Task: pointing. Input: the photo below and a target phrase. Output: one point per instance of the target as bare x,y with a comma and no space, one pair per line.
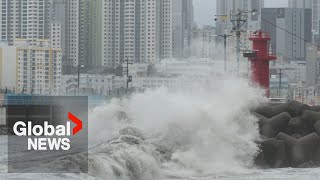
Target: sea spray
197,131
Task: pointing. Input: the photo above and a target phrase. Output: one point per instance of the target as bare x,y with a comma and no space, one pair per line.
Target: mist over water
197,132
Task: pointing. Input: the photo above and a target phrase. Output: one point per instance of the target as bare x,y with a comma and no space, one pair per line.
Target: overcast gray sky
205,9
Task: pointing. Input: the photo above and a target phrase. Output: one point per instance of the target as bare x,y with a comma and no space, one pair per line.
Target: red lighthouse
260,59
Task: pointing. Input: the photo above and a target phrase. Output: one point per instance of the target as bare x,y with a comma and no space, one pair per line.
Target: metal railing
259,34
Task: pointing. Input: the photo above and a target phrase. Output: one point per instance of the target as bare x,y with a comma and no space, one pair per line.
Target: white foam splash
186,133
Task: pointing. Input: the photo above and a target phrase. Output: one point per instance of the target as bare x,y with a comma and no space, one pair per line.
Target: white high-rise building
4,20
129,30
149,39
38,67
81,29
24,19
138,30
73,15
58,18
55,36
166,29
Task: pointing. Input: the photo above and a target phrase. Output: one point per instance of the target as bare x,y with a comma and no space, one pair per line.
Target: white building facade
73,26
92,84
129,31
38,67
24,19
56,39
138,30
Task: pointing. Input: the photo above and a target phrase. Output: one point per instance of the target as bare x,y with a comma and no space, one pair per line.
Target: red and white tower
260,62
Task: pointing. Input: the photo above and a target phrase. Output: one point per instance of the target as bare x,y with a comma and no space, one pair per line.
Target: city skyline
72,46
159,89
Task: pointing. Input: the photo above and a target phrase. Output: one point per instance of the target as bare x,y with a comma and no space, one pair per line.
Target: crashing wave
208,131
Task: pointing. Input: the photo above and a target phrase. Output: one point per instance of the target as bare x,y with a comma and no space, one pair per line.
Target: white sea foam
196,133
208,131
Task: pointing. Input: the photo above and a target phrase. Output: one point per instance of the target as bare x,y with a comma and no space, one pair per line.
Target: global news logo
48,137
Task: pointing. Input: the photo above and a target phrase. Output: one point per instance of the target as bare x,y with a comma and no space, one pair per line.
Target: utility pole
280,78
238,18
78,76
129,78
225,52
203,42
225,37
281,73
79,69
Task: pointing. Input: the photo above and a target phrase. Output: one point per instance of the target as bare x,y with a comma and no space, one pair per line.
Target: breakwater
289,135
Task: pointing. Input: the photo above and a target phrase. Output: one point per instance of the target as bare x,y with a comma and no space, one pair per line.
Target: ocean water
202,133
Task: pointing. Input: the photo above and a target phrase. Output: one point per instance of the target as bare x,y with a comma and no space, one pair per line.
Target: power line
286,32
290,33
244,46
